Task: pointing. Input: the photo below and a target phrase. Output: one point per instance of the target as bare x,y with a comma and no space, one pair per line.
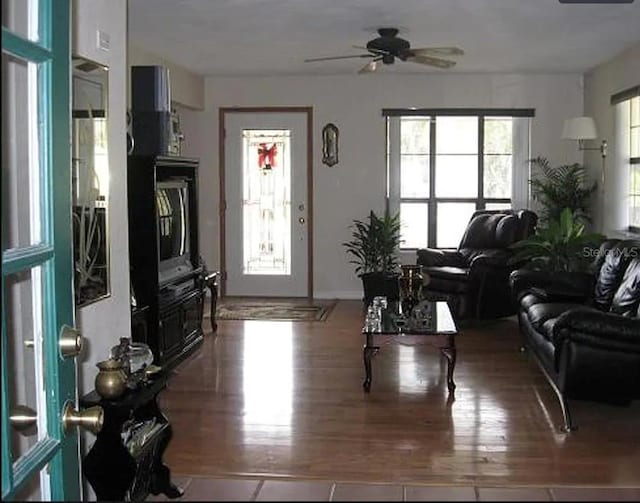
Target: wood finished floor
283,400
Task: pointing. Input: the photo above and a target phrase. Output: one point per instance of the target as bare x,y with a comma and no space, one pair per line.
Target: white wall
611,77
187,88
105,321
354,103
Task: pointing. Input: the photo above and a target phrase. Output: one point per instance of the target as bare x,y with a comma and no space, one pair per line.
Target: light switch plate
103,40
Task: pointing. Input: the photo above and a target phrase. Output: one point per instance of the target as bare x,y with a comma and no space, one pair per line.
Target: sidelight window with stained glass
266,213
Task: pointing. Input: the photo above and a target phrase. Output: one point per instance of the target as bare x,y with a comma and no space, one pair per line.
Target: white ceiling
273,37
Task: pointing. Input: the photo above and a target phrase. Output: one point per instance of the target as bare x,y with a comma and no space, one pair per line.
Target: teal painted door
38,460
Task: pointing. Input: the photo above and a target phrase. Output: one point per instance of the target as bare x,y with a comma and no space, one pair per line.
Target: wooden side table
125,462
211,282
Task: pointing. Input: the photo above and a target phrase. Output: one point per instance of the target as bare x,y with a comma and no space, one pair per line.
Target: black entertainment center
167,278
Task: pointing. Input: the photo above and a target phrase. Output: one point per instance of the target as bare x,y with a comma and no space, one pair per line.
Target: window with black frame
628,121
634,160
443,165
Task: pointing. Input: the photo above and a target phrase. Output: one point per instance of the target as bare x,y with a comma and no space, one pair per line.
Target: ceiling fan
388,47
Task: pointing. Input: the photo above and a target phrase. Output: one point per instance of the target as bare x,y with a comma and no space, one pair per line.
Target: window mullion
480,202
433,212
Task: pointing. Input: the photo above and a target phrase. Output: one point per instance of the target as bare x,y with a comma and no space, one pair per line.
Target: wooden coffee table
431,324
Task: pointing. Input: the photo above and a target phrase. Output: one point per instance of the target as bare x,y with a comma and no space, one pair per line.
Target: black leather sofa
474,279
583,329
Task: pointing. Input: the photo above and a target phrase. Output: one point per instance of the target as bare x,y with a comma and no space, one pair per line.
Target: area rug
275,310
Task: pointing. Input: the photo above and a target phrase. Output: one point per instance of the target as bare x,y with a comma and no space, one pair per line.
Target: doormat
316,310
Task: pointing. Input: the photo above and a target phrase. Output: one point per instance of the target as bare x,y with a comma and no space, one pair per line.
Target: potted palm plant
373,249
562,246
557,188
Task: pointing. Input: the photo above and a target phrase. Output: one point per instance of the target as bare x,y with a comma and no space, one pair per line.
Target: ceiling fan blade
370,67
339,57
427,60
441,51
378,52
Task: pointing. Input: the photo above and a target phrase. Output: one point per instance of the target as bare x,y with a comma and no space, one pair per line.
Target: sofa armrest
553,286
435,257
496,259
595,328
489,272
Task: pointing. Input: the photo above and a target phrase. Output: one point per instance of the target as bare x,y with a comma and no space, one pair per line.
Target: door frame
223,111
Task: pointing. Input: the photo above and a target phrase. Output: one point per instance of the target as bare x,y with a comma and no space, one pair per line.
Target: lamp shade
579,128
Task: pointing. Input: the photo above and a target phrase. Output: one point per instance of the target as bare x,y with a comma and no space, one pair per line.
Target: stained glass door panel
266,213
266,227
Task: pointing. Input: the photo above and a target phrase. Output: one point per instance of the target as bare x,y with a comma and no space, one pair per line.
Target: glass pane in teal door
33,488
23,332
21,17
21,180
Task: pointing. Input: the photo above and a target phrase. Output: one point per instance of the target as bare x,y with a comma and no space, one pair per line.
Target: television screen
173,225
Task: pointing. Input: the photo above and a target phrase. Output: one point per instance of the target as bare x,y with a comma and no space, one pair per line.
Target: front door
39,461
266,196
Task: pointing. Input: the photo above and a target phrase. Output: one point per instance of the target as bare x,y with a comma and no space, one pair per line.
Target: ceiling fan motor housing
390,44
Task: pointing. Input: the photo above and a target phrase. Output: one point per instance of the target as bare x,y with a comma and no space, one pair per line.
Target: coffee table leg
450,353
367,353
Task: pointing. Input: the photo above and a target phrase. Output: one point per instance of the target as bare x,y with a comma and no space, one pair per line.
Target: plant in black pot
373,249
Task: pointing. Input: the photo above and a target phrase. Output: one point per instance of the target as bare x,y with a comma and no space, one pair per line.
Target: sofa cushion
530,298
547,328
447,272
611,274
447,279
539,313
490,231
626,299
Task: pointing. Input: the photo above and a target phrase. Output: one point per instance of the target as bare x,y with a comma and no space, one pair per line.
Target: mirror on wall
90,181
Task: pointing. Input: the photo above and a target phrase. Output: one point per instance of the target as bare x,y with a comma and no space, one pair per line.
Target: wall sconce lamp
581,129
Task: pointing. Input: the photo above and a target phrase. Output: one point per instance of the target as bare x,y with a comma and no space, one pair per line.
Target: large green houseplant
373,249
562,246
557,188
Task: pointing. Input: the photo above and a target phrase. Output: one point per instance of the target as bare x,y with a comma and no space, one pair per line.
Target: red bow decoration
267,156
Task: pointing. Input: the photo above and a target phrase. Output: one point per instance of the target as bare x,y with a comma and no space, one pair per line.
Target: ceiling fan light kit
388,47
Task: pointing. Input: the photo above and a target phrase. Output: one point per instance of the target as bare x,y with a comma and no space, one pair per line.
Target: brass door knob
71,342
23,419
90,419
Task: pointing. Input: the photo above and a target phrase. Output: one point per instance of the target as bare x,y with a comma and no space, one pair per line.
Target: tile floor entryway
221,489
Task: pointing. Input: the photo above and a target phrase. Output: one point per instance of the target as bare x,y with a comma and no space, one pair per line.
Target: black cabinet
180,324
167,278
125,462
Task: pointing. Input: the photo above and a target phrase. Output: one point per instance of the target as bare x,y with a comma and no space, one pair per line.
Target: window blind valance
627,94
487,112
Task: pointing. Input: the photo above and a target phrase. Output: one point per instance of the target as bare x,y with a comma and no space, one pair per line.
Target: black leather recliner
474,279
583,329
